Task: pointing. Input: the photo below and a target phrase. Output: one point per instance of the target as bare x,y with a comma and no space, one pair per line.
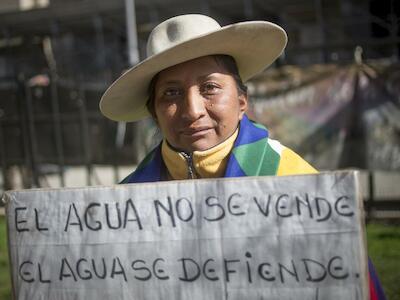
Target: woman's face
197,104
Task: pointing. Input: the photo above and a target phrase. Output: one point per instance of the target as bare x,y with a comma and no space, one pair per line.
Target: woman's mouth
196,132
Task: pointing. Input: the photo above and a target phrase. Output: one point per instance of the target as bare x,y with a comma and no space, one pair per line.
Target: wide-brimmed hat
254,45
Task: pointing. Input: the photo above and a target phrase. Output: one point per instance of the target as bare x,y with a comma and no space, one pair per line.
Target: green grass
383,249
5,285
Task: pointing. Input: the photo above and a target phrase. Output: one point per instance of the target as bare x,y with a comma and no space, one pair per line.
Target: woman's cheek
171,111
166,109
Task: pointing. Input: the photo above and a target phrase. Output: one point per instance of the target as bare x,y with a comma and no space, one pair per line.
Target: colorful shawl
252,155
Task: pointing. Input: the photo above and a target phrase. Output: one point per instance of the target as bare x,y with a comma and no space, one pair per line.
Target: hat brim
254,45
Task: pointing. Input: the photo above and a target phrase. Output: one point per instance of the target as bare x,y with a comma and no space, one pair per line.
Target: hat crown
178,30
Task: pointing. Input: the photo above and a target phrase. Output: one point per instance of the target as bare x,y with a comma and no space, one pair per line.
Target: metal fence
47,125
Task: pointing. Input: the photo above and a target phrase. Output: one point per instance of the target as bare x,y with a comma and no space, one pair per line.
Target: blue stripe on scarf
150,172
248,133
380,295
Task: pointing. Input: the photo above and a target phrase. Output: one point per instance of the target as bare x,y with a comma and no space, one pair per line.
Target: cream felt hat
254,45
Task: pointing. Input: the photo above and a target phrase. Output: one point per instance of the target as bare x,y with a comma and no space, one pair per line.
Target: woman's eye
172,92
209,88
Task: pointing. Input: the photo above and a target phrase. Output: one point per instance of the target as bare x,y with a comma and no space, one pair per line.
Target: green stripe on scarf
258,158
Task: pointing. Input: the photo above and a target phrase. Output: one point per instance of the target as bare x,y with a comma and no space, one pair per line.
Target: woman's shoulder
290,163
148,170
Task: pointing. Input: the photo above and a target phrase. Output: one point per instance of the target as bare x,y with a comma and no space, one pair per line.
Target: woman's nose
193,106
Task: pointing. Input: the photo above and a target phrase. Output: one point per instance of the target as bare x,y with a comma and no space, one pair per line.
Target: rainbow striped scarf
251,155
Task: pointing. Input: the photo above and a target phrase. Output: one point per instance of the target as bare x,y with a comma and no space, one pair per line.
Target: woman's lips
195,132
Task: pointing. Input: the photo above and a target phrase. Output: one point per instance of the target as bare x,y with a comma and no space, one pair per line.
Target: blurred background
333,96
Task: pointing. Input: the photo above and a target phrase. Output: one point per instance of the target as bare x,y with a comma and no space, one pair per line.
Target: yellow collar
210,163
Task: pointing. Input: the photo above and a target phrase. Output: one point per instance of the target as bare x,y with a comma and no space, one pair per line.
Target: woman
191,84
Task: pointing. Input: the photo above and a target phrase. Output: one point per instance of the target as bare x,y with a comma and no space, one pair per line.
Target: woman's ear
242,105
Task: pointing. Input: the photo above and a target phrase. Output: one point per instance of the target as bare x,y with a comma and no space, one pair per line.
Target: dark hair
229,63
226,61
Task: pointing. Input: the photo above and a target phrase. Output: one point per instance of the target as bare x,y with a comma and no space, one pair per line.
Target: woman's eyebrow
169,82
208,76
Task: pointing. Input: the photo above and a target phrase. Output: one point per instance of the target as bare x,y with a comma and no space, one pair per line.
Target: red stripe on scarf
372,291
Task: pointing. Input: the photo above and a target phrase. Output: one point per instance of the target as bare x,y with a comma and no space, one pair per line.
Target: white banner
294,237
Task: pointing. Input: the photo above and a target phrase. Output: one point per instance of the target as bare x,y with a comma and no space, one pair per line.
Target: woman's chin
198,145
196,142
